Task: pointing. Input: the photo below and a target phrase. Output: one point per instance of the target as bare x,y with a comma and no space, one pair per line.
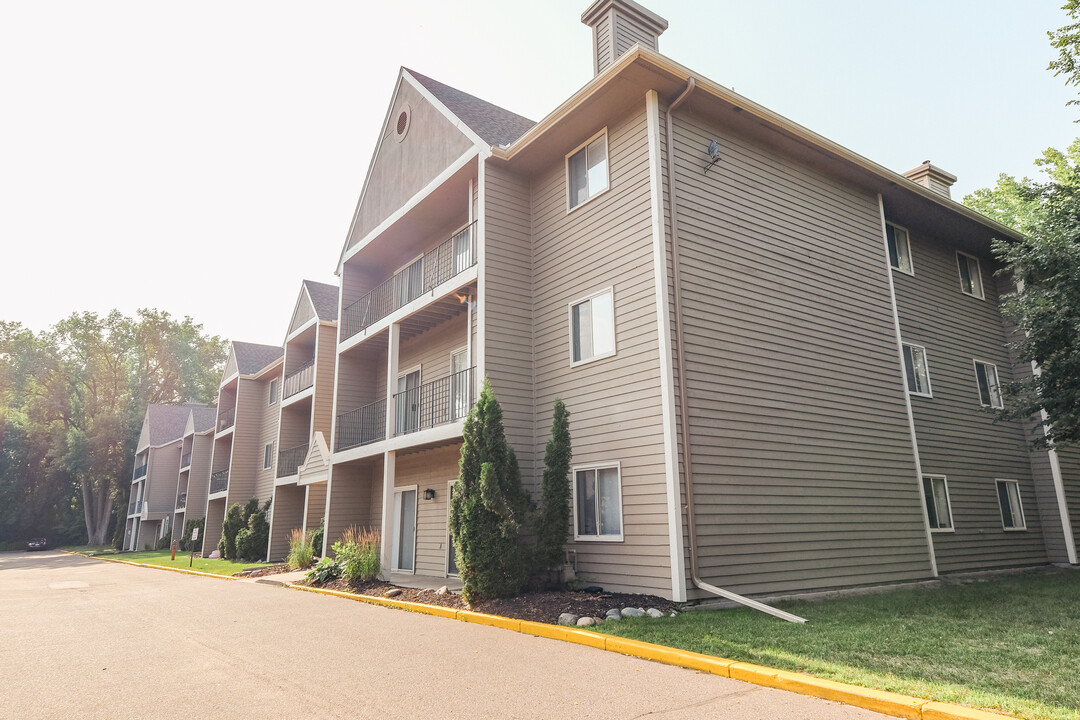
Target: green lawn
1009,644
162,557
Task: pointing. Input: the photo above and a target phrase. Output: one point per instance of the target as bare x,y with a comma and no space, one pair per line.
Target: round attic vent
404,119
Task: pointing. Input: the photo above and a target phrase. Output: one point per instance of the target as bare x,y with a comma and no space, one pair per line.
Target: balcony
226,418
439,402
185,460
290,460
140,472
361,426
451,257
299,381
219,481
181,502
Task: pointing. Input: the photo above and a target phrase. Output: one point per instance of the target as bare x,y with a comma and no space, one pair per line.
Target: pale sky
205,157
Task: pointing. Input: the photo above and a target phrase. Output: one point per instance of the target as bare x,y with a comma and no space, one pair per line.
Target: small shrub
234,521
301,550
186,543
358,553
553,520
252,540
163,543
317,537
328,569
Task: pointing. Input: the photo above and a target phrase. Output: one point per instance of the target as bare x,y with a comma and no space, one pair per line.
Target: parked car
37,544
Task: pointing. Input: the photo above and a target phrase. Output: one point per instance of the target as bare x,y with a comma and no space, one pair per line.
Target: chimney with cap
617,26
932,177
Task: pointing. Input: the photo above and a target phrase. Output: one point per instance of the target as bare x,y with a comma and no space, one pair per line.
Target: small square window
268,456
587,171
1012,511
899,248
970,275
592,327
938,510
598,503
916,371
273,392
986,375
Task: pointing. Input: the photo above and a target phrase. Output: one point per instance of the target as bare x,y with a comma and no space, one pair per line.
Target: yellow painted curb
670,656
948,711
492,620
882,701
185,571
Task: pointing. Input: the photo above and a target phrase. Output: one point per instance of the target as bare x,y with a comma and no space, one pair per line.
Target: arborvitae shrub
553,519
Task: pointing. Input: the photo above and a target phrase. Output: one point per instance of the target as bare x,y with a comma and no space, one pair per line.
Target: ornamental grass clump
358,554
301,550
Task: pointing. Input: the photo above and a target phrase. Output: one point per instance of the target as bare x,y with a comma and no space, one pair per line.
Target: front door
404,543
408,403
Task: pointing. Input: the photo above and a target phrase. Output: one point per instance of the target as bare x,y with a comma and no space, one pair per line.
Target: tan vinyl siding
628,32
355,498
161,478
361,371
316,508
804,476
602,43
957,437
304,312
230,365
614,402
402,169
215,514
431,349
268,432
247,443
325,353
508,308
199,476
429,469
288,513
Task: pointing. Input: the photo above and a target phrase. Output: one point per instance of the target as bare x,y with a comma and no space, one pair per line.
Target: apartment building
245,434
778,355
193,481
152,500
306,416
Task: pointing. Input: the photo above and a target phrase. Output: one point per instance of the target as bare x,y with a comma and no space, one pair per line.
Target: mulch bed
261,571
539,606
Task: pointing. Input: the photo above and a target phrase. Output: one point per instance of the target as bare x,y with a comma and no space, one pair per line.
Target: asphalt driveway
81,638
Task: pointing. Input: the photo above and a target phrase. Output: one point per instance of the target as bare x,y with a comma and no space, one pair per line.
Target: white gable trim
438,105
304,294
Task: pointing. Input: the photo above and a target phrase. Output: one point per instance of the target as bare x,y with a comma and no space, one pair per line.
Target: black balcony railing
439,402
185,460
219,481
225,418
451,257
181,502
140,472
299,381
290,460
361,426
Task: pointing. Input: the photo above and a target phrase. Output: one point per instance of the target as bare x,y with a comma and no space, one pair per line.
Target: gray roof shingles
166,423
205,417
492,123
324,298
253,357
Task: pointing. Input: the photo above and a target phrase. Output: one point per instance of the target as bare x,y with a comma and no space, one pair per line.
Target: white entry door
408,403
459,384
404,543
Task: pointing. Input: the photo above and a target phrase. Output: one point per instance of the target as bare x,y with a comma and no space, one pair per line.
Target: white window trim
273,392
1019,501
978,265
270,445
573,492
948,499
446,559
614,329
416,524
975,362
926,360
907,242
566,171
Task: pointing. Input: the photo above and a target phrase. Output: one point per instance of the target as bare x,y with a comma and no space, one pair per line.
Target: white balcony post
391,378
386,534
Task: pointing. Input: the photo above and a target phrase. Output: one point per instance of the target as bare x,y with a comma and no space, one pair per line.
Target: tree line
72,401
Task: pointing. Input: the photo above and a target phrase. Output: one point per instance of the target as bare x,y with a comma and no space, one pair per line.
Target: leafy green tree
1067,42
553,519
488,506
1046,264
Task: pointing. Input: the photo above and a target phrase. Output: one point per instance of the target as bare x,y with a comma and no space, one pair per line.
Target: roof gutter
684,411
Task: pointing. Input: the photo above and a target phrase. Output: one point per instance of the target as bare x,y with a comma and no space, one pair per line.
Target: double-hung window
938,510
268,456
592,327
1012,511
598,503
587,170
970,275
899,248
273,392
986,375
916,371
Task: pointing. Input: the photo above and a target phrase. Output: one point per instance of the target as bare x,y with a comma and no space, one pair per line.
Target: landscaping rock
442,591
568,619
214,555
653,612
633,612
392,592
613,614
586,622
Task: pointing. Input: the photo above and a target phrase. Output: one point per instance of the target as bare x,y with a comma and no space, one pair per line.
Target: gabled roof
492,123
324,298
204,417
253,357
166,423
